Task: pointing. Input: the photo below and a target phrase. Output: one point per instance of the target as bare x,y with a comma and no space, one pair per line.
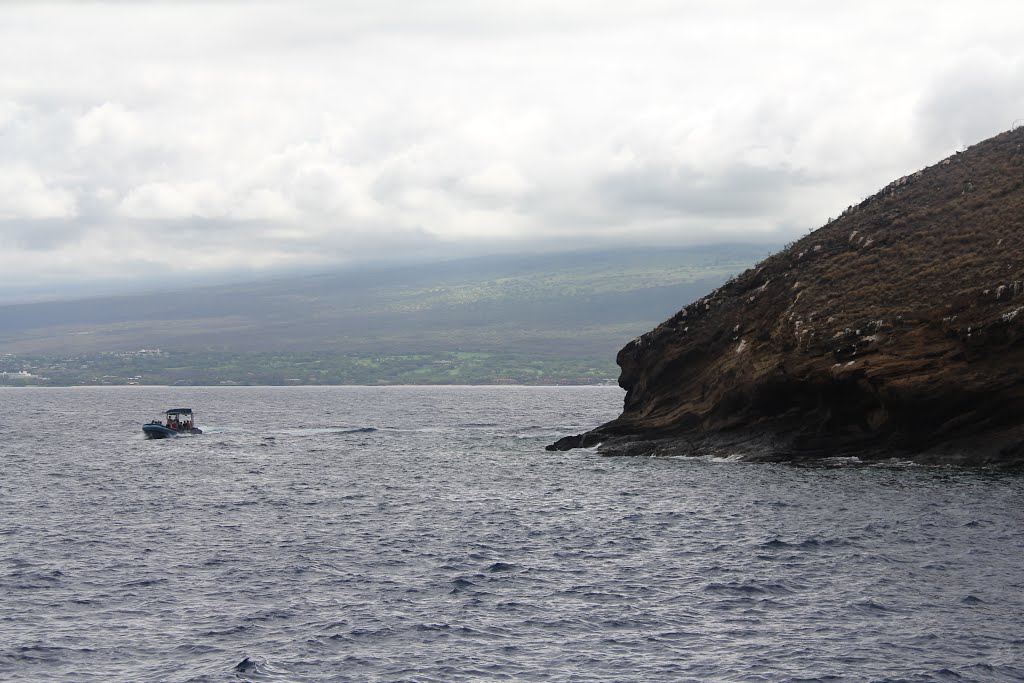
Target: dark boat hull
155,431
158,432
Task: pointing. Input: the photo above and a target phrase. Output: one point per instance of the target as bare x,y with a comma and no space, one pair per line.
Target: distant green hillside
533,319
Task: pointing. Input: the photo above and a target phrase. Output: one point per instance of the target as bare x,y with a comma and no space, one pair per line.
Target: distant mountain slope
577,303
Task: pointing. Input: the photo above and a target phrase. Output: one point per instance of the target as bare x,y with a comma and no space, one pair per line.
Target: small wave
228,631
248,665
271,615
735,457
843,460
38,654
776,504
465,586
433,627
501,567
983,671
34,579
370,633
305,432
747,588
144,583
806,544
870,606
258,668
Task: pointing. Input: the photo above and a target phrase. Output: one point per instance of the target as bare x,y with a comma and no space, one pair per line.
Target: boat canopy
179,411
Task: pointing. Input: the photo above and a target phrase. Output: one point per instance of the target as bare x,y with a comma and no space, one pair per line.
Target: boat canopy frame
178,411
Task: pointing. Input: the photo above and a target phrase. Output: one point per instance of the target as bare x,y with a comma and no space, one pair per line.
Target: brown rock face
897,329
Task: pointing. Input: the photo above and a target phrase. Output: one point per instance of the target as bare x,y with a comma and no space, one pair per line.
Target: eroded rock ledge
895,330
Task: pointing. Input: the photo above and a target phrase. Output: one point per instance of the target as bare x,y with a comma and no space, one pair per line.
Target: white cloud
107,125
25,195
971,96
500,181
331,131
264,204
161,201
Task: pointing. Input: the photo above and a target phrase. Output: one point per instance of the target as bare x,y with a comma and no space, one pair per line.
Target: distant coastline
529,319
164,368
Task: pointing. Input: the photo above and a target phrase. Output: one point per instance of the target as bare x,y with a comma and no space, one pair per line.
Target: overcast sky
153,139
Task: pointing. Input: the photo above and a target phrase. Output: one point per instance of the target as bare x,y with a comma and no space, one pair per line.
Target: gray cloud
972,98
738,191
330,132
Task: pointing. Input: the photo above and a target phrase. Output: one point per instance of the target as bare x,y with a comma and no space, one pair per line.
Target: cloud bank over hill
149,139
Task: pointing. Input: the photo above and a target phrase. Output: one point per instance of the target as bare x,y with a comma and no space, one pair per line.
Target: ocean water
423,534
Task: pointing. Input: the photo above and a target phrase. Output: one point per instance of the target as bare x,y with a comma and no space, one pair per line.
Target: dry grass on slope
945,244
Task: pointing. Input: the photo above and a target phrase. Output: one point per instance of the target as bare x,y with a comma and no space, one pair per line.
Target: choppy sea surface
423,534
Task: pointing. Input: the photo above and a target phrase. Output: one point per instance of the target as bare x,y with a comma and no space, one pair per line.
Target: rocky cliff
896,329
